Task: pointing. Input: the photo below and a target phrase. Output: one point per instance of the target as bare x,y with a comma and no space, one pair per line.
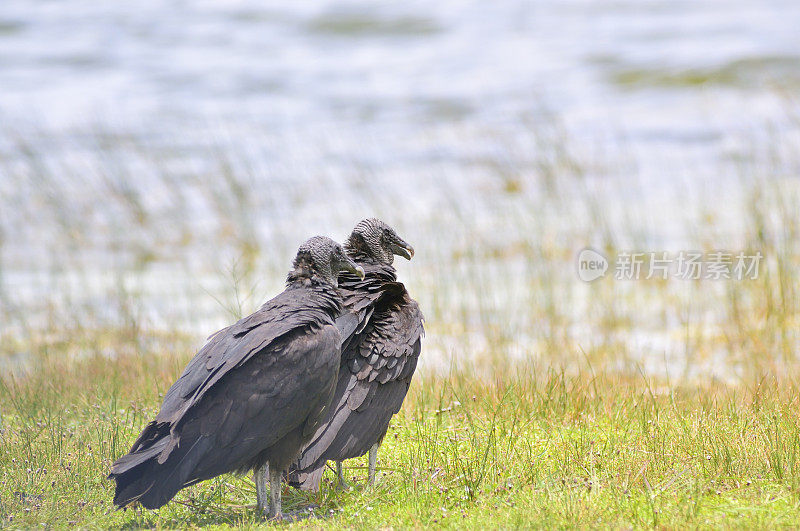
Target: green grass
516,448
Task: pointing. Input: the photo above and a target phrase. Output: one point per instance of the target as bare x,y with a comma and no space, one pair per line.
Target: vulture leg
373,461
344,485
275,478
260,477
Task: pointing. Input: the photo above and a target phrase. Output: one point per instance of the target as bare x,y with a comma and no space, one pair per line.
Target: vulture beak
401,248
351,266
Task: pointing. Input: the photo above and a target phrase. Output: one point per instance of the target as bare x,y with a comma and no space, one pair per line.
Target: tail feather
141,478
134,459
305,479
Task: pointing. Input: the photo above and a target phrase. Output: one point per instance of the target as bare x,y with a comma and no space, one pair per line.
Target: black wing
216,419
232,346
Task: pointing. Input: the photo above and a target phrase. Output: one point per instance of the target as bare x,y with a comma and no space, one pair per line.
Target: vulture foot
343,484
373,464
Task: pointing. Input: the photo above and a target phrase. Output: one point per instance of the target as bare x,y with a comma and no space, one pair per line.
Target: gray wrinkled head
378,240
325,258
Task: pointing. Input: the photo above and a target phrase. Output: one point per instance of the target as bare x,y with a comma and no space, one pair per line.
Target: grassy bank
520,447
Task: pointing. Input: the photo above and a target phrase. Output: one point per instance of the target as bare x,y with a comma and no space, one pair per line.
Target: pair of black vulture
314,375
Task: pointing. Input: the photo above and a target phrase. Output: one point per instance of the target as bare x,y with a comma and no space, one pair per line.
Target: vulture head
374,238
324,258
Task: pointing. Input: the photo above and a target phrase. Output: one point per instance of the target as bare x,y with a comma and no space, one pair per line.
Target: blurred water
669,70
170,137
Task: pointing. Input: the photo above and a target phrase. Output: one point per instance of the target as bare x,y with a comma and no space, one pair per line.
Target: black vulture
381,329
252,396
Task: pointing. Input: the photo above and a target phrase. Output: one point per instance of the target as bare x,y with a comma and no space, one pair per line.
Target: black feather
236,406
379,357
